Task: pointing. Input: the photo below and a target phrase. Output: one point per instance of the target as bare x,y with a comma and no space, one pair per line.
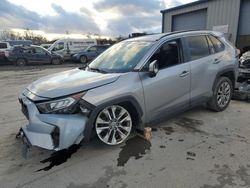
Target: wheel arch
128,102
229,73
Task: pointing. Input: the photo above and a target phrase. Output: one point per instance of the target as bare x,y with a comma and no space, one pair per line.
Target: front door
169,90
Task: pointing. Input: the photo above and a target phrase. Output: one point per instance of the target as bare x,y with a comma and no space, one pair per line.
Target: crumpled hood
69,82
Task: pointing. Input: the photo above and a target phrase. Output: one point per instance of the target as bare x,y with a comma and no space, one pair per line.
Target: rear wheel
20,62
83,59
56,61
222,94
113,124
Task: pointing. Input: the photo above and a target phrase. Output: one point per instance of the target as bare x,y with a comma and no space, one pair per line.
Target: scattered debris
181,140
168,130
192,154
162,146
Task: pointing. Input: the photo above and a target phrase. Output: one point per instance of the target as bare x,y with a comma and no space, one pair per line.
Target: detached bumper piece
51,131
242,90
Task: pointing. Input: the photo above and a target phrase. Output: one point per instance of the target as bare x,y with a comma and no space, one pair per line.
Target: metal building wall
219,12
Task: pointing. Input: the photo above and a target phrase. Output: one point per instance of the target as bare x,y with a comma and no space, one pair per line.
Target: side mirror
153,68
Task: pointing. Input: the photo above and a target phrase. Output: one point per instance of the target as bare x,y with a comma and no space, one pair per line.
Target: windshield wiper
96,70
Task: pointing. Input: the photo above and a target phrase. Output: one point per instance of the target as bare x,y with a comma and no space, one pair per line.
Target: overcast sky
104,17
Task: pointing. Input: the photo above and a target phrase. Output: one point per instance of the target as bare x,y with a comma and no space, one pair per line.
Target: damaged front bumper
51,131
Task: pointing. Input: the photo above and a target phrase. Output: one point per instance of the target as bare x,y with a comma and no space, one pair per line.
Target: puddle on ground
191,125
134,147
59,157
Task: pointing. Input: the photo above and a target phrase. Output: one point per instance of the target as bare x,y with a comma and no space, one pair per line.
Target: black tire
56,62
83,59
221,98
21,62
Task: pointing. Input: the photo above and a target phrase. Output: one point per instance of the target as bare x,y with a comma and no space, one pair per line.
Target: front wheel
56,62
83,59
20,62
113,124
222,94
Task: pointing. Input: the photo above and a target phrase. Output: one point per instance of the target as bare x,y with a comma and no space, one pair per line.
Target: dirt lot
197,149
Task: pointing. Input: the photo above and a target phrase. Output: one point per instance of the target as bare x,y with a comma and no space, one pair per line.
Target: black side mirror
153,68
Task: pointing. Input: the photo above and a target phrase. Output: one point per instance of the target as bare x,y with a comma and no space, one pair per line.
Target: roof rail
182,31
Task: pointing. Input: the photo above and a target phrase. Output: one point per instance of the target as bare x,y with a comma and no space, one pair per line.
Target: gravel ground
197,149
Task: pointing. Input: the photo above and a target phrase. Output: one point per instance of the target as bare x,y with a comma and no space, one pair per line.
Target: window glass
3,45
26,50
121,57
218,45
167,55
39,51
93,49
211,46
59,46
198,47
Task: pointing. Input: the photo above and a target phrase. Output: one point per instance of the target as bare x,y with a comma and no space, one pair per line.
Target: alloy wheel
223,94
113,125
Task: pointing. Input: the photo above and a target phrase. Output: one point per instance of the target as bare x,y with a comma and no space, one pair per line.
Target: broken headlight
68,105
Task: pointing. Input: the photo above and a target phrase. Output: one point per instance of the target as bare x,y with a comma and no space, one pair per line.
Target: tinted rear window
197,46
218,45
3,45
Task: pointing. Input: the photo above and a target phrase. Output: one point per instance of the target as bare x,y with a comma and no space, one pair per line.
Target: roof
184,6
156,37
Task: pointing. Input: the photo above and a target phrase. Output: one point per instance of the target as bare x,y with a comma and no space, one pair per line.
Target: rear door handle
184,73
216,61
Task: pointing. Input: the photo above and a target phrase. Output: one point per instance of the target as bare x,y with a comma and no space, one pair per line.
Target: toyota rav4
131,84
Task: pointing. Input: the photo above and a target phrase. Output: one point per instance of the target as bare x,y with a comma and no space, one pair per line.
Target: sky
54,18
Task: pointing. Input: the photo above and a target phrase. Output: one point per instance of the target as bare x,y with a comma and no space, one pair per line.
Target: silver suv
133,83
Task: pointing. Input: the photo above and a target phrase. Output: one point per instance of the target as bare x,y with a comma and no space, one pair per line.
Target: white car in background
68,47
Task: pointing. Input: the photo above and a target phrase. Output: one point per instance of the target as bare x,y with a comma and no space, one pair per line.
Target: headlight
66,105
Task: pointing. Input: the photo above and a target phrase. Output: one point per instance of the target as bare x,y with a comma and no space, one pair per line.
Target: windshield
121,57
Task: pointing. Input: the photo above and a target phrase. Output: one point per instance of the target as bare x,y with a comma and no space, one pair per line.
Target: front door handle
184,73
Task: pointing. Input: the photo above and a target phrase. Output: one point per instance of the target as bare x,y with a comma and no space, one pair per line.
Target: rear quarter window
197,47
218,45
3,45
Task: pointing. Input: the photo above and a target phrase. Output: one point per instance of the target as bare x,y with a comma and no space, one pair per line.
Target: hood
69,82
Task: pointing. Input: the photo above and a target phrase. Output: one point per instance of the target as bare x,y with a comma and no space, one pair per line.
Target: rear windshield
3,45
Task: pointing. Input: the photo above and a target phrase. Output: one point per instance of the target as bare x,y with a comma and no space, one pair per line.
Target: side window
210,45
59,46
169,54
39,51
218,45
3,45
197,46
93,49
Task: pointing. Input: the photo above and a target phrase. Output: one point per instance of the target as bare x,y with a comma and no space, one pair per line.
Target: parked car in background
7,45
131,84
22,55
68,47
89,53
46,46
2,56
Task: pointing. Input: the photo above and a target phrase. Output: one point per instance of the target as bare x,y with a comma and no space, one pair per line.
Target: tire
83,59
113,124
222,94
21,62
56,62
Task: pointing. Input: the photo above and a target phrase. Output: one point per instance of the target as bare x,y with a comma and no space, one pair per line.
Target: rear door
200,54
169,90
